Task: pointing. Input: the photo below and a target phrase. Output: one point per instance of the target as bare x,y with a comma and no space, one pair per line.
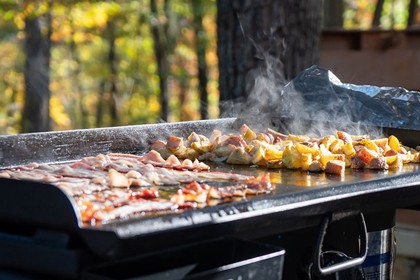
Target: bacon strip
112,186
155,159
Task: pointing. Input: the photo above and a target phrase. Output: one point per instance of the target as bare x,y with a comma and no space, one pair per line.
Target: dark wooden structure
381,58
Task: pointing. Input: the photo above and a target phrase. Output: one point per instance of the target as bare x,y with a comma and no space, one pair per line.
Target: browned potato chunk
378,163
335,167
357,163
315,166
239,156
367,155
344,136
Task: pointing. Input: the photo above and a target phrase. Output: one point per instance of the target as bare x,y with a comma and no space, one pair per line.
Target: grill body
43,235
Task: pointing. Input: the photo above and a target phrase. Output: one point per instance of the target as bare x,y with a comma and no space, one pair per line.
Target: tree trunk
100,104
200,46
378,13
36,112
262,44
412,8
184,109
333,13
160,34
112,62
80,118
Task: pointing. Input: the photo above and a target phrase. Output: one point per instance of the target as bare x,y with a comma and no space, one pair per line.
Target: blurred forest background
107,63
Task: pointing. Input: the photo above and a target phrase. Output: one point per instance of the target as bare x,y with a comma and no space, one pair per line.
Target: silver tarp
317,94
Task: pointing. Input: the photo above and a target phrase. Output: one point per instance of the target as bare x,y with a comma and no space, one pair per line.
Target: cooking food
175,175
117,186
272,149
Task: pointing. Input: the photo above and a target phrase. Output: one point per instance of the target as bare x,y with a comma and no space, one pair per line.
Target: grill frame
248,219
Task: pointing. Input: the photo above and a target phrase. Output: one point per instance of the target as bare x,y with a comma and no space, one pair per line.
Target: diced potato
261,144
256,144
201,147
323,150
292,159
348,150
298,138
267,138
258,156
328,140
306,161
223,150
243,128
366,155
315,166
215,135
239,156
157,145
398,163
326,158
347,161
249,149
277,135
390,152
344,136
394,143
378,163
386,149
194,137
335,167
391,159
249,135
358,137
382,142
337,146
357,147
174,143
164,152
235,140
357,163
369,144
183,153
282,145
303,149
272,154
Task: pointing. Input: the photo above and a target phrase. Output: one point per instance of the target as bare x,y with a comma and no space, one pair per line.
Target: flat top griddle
299,199
294,190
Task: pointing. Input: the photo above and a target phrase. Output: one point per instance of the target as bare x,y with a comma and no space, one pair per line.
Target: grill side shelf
39,205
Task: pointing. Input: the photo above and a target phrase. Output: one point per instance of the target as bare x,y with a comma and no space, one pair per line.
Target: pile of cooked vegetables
272,149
